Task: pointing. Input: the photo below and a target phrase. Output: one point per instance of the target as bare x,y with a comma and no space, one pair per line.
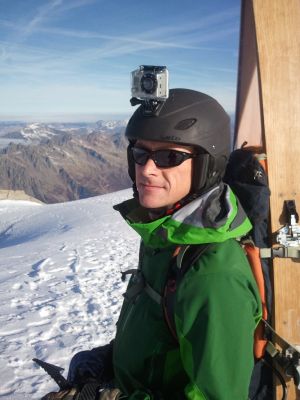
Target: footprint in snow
38,269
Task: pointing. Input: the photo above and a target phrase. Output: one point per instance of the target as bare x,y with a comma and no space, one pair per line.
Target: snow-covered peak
112,124
37,131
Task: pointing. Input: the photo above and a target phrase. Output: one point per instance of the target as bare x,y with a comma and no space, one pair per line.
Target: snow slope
60,285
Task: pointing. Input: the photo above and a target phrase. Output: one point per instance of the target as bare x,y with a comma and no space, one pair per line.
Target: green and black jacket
217,306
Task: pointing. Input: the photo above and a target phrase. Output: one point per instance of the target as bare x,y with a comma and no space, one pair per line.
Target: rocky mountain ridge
67,166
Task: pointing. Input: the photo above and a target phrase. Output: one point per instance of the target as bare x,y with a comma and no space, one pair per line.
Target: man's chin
152,204
153,207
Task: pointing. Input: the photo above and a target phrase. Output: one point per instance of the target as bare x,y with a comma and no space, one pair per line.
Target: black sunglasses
164,158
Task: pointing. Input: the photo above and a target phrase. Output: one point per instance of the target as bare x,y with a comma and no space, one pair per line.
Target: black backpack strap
180,264
139,283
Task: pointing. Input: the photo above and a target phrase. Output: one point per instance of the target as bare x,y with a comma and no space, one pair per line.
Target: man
177,160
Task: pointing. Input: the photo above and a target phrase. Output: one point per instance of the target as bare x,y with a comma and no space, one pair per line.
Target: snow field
60,285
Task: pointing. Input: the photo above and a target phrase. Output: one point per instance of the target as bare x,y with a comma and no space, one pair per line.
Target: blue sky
71,59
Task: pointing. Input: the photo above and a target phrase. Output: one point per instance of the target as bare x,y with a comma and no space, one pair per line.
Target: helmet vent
185,124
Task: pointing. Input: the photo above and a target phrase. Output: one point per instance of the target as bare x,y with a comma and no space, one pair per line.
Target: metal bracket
288,358
287,246
288,237
281,251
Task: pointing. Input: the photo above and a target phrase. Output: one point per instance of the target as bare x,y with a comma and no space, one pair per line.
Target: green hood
212,218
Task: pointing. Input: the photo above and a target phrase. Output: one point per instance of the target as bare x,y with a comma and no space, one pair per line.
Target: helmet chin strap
131,164
155,213
164,211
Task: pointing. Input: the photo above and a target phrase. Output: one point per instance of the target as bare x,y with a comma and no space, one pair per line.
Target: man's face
162,187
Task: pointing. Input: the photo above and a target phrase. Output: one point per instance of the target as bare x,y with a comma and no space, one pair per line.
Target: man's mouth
150,186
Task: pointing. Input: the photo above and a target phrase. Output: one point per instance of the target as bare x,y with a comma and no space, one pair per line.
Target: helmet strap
201,169
130,162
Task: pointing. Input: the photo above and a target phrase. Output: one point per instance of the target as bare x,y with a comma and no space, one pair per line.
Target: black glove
91,366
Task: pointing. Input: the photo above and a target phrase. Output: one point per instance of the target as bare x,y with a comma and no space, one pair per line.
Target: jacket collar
213,217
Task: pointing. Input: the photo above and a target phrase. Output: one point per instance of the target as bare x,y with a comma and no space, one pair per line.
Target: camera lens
148,83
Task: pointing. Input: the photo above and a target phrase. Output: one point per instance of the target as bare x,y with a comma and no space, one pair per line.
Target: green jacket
217,307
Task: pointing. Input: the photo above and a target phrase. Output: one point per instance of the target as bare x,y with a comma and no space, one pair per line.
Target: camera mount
150,107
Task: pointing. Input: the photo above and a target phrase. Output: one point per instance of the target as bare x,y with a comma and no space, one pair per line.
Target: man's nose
149,168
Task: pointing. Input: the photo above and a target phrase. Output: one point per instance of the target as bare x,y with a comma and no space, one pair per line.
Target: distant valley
63,162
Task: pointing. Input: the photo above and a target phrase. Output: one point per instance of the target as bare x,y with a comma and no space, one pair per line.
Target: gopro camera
150,83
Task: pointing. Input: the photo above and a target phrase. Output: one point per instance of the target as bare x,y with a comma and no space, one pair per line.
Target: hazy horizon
62,118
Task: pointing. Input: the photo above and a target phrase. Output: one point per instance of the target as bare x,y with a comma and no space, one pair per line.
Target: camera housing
150,82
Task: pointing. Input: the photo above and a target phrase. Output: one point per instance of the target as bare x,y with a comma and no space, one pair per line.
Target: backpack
247,177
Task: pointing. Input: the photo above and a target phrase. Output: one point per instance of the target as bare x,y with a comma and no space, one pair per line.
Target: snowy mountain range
37,132
60,285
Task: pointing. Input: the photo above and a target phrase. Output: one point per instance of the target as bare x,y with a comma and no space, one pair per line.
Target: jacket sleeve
95,363
216,314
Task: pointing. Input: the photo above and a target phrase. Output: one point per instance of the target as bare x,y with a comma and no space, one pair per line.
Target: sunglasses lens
140,156
168,158
164,158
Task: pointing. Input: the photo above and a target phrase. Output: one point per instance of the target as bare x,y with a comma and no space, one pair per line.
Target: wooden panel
248,126
278,40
